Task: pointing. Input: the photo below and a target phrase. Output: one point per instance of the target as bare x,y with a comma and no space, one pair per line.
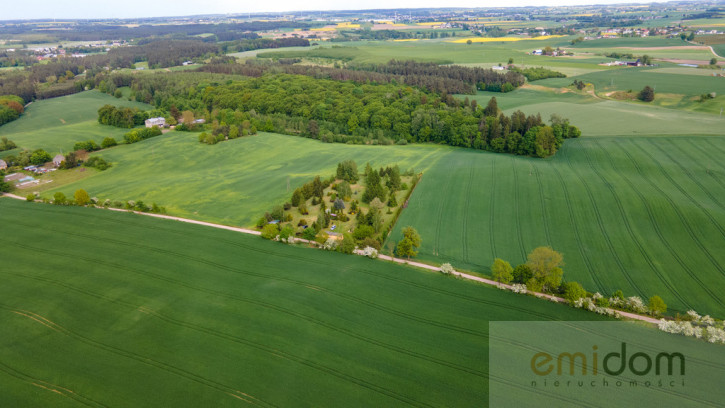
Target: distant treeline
534,74
79,31
346,112
261,43
429,76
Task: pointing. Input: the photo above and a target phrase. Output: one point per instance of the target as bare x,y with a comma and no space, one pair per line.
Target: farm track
600,222
37,382
545,218
654,223
687,225
142,359
577,236
519,235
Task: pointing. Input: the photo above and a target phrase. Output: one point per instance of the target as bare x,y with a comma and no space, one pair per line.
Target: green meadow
101,308
233,182
56,124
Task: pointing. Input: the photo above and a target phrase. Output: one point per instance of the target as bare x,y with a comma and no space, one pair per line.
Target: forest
346,112
428,76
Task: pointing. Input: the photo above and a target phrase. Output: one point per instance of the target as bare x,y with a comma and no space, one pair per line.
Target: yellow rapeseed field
486,39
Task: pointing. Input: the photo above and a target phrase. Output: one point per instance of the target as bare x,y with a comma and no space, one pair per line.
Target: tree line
430,76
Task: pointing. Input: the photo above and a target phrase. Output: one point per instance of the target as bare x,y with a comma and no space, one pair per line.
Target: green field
636,78
645,215
56,124
114,309
233,182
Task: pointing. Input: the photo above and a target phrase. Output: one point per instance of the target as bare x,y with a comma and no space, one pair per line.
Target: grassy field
233,182
55,124
637,78
645,215
160,313
600,117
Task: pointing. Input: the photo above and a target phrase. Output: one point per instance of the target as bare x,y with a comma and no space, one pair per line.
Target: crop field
233,182
55,124
600,117
645,215
166,313
636,78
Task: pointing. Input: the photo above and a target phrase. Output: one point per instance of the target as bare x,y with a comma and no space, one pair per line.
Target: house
199,121
538,52
58,159
497,68
151,122
3,165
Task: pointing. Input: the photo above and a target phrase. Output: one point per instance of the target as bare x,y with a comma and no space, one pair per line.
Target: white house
160,122
58,159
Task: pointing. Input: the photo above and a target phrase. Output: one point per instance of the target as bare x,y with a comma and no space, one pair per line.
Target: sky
85,9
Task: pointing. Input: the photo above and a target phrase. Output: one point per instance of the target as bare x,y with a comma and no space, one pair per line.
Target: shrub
59,198
647,94
108,142
98,162
447,269
81,197
370,242
656,305
370,252
348,244
89,146
270,231
573,291
309,234
286,232
363,231
30,197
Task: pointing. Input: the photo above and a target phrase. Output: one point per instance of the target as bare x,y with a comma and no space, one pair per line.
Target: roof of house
2,163
58,157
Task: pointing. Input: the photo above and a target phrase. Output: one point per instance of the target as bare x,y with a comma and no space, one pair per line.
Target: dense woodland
82,31
429,76
343,111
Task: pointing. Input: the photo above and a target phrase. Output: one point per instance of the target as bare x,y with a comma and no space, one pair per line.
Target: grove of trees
347,112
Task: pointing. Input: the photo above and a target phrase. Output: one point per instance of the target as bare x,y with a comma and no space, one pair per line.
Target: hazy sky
35,9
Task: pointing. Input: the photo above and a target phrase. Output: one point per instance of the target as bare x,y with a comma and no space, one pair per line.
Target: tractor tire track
49,386
290,312
656,227
577,235
142,359
516,209
545,219
600,222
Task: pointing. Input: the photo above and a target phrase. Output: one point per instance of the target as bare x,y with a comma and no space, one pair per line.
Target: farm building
3,165
58,159
151,122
